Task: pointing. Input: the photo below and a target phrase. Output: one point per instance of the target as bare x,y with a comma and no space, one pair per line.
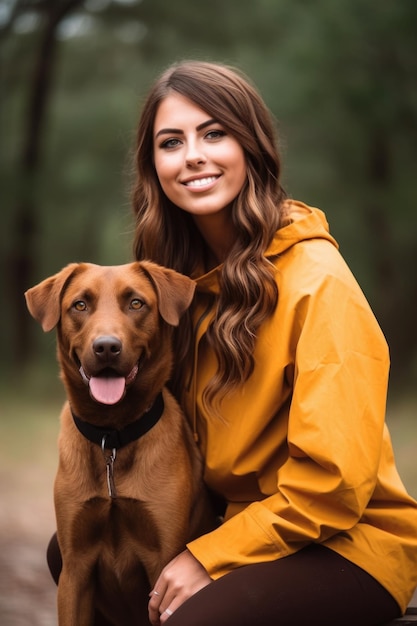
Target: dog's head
110,320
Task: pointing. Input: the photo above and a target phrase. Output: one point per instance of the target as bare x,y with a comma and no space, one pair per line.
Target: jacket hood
305,223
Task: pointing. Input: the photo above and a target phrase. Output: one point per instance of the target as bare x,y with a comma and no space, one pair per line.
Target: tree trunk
25,227
395,302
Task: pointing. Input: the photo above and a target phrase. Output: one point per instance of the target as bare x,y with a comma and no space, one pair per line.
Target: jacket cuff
241,540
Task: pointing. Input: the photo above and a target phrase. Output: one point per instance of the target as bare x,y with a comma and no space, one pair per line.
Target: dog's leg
123,598
76,597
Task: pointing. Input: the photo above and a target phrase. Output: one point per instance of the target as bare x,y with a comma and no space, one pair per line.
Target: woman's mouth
198,183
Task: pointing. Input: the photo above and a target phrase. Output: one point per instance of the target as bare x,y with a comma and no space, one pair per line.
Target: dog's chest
117,523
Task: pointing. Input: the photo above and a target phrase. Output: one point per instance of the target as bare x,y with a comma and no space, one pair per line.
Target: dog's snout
107,347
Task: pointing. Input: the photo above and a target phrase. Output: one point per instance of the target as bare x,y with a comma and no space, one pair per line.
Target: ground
27,468
27,592
28,459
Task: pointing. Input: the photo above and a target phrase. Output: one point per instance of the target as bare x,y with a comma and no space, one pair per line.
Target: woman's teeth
200,182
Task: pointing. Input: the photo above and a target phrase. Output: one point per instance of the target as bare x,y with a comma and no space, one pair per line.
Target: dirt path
28,459
27,592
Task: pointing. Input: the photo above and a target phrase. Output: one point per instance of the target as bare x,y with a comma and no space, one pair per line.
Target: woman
282,371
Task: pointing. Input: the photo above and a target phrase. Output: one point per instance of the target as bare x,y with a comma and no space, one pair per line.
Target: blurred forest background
341,79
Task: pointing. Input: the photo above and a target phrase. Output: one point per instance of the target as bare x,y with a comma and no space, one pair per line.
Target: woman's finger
170,610
156,598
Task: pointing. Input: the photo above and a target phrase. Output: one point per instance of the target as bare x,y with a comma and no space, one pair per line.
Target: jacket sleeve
339,368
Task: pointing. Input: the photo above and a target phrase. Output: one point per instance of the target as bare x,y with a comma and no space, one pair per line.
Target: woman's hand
178,581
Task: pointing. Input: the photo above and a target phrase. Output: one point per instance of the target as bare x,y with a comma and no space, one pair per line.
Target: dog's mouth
108,387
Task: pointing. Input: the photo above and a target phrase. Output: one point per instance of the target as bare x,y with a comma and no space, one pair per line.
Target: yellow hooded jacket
302,453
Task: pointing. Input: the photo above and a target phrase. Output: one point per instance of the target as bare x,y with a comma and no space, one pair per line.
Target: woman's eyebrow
169,131
178,131
208,123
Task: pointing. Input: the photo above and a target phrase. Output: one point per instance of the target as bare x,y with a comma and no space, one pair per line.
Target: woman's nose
195,155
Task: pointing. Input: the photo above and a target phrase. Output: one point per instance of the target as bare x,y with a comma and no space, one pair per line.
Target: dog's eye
80,305
136,304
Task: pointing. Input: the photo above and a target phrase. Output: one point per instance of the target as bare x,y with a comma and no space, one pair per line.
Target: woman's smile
200,184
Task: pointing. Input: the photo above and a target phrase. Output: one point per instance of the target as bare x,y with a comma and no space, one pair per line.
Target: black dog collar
115,439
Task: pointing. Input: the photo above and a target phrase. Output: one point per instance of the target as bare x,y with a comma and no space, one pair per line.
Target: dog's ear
44,300
175,291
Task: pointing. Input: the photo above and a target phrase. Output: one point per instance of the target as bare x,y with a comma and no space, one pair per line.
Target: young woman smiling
281,369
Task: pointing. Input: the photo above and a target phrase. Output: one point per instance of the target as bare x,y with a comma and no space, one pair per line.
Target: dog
128,491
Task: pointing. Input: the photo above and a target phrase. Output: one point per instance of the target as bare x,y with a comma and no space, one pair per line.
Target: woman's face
201,168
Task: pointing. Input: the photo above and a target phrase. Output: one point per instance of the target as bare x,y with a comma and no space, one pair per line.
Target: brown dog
128,492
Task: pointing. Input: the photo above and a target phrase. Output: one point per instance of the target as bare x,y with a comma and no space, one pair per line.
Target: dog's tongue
107,389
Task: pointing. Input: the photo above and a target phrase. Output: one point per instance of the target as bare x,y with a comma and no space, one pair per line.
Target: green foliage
339,77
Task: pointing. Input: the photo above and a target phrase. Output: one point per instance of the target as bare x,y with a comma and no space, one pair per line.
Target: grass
29,423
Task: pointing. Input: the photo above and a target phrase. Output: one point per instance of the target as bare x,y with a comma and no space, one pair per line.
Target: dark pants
315,586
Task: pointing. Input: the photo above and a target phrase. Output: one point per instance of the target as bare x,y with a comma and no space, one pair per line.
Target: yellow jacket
302,453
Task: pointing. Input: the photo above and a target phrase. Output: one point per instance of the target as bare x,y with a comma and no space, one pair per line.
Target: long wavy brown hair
167,235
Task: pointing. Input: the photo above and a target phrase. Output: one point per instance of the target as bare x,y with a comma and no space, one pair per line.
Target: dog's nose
107,347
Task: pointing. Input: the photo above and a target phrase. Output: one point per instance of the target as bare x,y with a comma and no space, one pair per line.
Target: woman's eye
170,143
80,305
136,304
215,134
